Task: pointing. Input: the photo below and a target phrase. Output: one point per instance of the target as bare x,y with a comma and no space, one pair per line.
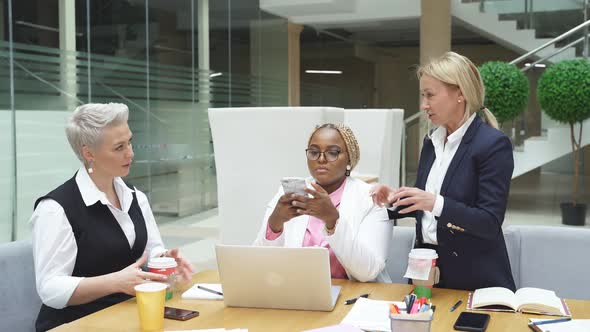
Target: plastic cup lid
150,287
423,253
162,262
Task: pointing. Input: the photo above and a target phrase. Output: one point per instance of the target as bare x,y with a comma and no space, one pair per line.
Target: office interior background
170,61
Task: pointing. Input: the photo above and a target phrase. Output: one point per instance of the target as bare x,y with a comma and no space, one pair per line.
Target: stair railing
581,26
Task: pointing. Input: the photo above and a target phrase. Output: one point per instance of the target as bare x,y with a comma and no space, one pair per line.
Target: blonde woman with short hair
92,234
461,191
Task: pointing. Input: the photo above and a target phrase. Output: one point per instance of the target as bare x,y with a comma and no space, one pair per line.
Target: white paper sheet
371,315
194,293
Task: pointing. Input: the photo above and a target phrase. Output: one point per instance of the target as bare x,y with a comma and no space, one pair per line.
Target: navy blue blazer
471,247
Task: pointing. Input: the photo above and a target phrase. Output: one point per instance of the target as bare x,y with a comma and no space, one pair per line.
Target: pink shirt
314,236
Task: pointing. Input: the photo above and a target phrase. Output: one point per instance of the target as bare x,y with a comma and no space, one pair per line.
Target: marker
351,301
209,290
456,305
393,309
410,304
415,306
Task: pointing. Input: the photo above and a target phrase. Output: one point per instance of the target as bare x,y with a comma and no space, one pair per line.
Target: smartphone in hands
179,314
294,185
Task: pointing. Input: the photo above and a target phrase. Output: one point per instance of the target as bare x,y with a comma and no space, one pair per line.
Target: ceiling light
332,72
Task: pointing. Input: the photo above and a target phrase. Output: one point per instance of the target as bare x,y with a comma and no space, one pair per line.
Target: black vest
102,249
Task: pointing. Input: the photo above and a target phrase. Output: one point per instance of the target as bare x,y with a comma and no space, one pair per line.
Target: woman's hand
125,280
382,195
319,206
415,199
283,212
185,268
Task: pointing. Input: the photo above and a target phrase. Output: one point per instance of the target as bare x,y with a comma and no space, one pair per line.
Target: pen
209,290
351,301
456,305
551,321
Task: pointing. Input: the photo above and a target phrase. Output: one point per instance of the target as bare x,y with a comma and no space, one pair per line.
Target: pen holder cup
419,322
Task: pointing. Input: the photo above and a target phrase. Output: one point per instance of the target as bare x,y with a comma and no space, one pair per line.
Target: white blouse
444,154
54,244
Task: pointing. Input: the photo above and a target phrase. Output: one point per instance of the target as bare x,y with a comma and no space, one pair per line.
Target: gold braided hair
352,146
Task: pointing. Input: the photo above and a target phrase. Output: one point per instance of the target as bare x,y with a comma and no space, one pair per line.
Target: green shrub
564,91
507,89
564,94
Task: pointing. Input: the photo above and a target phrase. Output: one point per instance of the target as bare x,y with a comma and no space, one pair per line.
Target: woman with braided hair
337,213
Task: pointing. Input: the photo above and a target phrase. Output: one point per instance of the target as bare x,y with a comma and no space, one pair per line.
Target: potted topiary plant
564,95
507,89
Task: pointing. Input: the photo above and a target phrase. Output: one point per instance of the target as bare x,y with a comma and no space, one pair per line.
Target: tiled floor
534,199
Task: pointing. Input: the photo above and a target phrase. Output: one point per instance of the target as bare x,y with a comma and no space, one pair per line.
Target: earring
458,100
90,170
348,168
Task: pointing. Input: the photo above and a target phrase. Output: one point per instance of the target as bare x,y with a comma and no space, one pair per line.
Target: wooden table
213,314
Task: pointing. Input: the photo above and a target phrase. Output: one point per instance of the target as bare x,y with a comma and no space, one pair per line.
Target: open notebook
528,299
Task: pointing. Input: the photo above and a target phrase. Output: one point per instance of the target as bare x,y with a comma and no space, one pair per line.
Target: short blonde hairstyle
85,126
352,146
457,70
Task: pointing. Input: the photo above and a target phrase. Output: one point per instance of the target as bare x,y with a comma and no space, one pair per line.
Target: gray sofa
20,303
550,257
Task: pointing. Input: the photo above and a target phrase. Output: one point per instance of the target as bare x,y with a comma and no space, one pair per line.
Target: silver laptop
276,277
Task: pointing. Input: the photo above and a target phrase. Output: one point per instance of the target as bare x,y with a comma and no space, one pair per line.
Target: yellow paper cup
150,304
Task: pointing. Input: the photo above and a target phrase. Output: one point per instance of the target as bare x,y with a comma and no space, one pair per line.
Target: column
294,59
201,170
270,62
435,39
203,47
67,47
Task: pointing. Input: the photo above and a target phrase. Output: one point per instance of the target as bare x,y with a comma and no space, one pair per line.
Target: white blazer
360,240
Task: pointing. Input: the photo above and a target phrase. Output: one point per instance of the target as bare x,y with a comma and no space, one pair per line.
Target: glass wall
167,60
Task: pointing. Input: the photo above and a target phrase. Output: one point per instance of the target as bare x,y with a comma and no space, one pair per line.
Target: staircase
555,143
540,150
504,33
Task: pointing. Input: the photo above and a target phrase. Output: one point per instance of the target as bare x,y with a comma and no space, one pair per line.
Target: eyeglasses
329,155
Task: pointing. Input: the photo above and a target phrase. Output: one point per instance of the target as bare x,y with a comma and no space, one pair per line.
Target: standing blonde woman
338,213
461,191
92,234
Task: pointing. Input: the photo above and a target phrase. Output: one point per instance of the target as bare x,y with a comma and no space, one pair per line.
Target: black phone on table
471,321
179,314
